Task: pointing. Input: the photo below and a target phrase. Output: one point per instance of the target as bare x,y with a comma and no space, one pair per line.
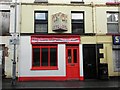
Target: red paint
81,78
45,68
53,78
72,67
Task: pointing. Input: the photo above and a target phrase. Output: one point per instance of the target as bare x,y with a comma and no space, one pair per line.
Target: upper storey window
112,22
77,22
41,22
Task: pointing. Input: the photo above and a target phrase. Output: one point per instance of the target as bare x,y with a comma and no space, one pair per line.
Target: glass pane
44,60
77,28
116,59
41,28
36,57
75,55
77,16
4,22
40,16
112,27
69,56
112,17
53,57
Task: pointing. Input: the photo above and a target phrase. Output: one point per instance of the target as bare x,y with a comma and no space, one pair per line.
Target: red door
72,62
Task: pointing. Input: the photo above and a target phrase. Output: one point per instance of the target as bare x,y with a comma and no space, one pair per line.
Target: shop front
52,57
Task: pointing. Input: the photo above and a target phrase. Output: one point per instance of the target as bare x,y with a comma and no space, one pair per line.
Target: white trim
81,59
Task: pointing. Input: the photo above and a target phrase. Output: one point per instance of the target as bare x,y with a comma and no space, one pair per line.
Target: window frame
73,22
45,67
40,21
113,22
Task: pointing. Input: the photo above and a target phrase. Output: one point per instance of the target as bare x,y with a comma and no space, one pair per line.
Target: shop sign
116,40
35,40
59,22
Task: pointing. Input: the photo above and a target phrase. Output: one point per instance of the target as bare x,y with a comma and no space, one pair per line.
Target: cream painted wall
101,18
27,25
98,21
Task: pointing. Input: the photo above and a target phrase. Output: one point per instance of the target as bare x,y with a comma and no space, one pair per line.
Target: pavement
112,84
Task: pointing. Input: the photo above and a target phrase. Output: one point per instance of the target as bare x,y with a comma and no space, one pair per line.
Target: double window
77,22
44,57
41,22
112,22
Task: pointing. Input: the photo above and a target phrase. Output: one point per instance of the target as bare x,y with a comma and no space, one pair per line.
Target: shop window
41,22
44,57
112,22
116,57
77,22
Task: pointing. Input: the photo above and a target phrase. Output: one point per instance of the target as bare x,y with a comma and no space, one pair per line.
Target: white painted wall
81,60
25,61
8,62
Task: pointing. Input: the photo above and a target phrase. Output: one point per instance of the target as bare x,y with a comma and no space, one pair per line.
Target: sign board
14,39
59,22
116,40
69,40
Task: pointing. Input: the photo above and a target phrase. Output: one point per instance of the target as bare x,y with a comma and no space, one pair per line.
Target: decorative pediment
59,22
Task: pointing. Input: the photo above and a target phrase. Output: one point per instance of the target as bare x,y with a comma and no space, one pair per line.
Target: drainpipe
14,50
92,5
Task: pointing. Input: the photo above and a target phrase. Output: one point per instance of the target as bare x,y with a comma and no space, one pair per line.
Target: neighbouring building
68,39
7,22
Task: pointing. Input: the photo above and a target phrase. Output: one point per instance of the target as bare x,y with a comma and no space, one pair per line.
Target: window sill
45,68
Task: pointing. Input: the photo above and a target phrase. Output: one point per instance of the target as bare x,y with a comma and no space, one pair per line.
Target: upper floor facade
73,16
72,19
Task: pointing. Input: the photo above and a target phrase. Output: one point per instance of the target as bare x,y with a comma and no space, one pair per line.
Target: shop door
89,61
72,62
